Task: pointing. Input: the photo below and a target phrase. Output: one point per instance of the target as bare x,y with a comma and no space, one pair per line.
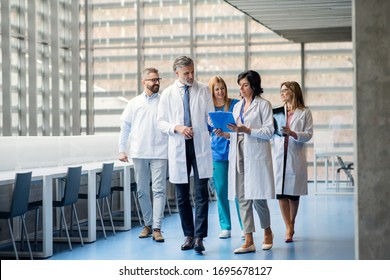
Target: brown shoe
146,232
198,246
188,243
157,236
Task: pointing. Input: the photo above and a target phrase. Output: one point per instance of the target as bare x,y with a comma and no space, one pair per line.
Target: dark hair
254,80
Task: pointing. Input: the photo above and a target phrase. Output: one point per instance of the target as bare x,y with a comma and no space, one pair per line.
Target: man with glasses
148,151
182,115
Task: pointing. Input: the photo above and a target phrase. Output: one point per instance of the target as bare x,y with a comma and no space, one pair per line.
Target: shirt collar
147,97
181,85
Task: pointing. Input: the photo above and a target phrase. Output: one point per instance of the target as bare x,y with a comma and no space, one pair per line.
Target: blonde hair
218,80
295,88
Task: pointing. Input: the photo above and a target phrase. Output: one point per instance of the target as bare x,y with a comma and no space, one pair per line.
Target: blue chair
103,192
19,206
133,191
69,198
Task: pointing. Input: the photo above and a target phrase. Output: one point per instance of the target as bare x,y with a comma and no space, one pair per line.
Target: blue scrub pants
220,177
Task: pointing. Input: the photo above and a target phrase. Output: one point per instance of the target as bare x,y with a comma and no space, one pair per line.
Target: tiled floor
324,231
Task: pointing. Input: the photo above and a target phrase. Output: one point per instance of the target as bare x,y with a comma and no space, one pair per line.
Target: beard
189,81
154,88
186,81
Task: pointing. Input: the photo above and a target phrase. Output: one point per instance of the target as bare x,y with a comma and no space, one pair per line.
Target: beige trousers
246,209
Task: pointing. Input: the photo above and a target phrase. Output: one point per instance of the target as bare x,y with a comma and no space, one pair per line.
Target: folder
279,119
221,120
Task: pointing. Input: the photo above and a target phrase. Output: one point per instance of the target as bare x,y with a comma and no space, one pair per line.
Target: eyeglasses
154,80
284,90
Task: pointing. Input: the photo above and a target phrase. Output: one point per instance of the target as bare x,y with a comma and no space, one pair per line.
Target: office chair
69,198
133,190
103,192
19,206
347,170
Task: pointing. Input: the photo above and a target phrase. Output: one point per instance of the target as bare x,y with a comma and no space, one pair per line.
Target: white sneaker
224,234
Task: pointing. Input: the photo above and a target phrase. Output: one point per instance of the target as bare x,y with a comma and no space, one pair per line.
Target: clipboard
221,120
279,119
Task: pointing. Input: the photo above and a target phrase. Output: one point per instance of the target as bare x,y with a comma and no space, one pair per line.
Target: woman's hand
220,133
288,132
239,128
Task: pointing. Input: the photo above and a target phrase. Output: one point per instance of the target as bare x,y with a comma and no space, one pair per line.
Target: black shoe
198,247
188,243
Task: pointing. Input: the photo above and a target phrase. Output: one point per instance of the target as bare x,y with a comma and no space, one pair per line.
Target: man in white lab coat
148,151
188,147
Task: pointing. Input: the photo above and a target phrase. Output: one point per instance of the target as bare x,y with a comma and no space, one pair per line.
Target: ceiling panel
302,21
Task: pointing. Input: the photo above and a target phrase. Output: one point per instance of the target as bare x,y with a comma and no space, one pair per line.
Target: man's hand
123,157
185,131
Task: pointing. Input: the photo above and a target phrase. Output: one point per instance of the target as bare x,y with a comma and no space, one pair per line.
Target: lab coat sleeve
210,108
307,133
266,131
163,123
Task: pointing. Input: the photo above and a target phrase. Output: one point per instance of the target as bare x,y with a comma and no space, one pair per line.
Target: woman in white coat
289,155
250,159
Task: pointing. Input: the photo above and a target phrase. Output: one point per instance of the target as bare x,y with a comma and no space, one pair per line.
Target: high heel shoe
268,246
290,239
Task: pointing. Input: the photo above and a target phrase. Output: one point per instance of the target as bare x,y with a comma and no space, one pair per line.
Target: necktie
186,103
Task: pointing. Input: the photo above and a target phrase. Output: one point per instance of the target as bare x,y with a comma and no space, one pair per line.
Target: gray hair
182,61
147,71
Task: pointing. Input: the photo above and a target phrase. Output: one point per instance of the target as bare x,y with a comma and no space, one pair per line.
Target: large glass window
40,79
131,35
69,67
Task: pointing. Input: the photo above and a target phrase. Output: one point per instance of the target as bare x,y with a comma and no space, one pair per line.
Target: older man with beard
183,115
148,151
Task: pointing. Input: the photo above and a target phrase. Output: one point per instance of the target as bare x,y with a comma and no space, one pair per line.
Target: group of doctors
169,135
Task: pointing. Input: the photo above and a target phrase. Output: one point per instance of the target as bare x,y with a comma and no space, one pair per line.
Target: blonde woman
289,156
220,151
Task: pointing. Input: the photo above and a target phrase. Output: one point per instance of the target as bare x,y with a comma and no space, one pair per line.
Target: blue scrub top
220,145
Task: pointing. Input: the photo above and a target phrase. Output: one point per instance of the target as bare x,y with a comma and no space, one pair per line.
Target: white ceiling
302,21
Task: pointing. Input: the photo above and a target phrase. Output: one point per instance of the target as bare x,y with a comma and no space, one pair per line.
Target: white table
326,154
92,169
47,175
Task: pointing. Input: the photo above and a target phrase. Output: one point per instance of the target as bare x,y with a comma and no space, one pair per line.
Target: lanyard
242,110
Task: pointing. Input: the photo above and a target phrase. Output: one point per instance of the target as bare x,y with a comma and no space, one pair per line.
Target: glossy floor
324,231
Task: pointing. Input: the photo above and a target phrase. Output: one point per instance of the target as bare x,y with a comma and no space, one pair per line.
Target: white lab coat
258,173
170,114
296,165
140,129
